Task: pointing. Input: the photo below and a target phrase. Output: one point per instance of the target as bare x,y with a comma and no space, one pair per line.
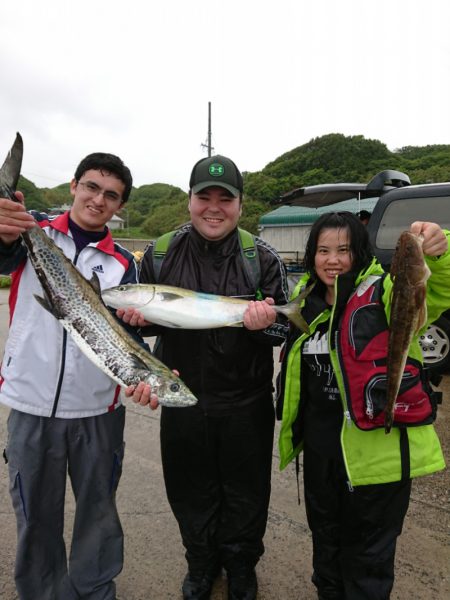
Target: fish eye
174,387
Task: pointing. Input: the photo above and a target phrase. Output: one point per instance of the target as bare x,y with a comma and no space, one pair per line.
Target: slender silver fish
77,304
408,312
180,308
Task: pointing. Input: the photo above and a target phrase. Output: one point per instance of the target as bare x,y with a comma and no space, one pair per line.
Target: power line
29,174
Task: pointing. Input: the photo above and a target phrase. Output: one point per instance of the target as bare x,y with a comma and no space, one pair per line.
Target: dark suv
399,204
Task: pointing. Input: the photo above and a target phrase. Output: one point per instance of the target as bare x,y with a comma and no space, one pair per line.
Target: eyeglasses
93,190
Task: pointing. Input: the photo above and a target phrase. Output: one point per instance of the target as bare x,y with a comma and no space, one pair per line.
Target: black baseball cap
217,171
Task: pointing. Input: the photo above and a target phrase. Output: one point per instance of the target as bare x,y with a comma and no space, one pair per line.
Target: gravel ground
154,558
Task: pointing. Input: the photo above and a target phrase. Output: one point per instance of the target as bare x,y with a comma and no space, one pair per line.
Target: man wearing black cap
217,455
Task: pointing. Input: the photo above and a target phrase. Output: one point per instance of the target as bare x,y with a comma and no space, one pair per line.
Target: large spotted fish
77,304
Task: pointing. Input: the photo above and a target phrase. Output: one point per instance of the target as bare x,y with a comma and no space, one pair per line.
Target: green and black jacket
370,456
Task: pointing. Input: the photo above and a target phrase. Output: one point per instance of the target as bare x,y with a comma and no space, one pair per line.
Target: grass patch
131,232
5,281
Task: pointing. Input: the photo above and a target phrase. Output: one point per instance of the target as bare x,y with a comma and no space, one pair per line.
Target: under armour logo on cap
216,170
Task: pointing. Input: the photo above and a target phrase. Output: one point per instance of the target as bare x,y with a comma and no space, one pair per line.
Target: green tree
58,196
252,210
166,218
34,197
160,207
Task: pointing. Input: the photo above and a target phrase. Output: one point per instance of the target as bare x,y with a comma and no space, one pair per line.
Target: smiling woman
333,258
333,404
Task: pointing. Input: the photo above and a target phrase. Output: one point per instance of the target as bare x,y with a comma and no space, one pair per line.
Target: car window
399,214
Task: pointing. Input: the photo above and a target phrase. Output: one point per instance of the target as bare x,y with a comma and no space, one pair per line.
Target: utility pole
208,145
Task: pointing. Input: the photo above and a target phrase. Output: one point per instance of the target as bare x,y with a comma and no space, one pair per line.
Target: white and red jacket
43,371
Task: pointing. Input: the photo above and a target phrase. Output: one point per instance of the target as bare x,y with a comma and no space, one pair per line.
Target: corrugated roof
301,215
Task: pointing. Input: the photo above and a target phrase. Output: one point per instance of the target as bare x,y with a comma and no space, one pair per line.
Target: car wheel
435,345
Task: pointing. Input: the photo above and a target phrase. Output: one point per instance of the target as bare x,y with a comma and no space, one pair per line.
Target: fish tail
292,312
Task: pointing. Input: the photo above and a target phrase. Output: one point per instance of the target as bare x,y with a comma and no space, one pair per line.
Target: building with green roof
287,227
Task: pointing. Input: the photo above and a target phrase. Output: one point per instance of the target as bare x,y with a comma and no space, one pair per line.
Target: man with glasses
66,414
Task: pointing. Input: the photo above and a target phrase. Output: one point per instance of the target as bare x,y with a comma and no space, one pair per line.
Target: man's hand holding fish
132,317
14,219
142,394
260,314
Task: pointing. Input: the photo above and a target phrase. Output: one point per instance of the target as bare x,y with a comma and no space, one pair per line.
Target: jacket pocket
16,489
116,472
413,404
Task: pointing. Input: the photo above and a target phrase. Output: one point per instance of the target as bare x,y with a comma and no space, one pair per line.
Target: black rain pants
354,531
217,471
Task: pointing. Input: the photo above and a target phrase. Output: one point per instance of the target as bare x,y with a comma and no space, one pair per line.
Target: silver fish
408,312
77,304
180,308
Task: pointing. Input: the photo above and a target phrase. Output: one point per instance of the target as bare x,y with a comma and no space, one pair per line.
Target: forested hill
159,207
337,158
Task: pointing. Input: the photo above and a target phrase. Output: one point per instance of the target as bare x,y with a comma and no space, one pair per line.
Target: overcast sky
134,78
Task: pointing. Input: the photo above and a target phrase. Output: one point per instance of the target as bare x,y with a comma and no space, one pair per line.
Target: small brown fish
409,273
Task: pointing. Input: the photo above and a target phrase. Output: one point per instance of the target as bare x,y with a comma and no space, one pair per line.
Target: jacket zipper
62,366
334,357
61,373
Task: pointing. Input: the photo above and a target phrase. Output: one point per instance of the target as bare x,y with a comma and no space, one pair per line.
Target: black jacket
228,366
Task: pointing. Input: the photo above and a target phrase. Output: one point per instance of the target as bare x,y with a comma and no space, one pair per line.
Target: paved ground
154,562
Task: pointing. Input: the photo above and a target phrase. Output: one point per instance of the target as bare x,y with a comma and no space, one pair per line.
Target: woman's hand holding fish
142,394
259,314
434,240
132,316
14,219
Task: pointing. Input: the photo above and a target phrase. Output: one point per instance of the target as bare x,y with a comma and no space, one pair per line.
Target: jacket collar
223,247
61,224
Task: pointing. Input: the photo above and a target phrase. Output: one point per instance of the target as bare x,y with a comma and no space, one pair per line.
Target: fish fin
422,313
166,323
170,296
95,282
138,363
306,291
172,325
292,310
47,305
